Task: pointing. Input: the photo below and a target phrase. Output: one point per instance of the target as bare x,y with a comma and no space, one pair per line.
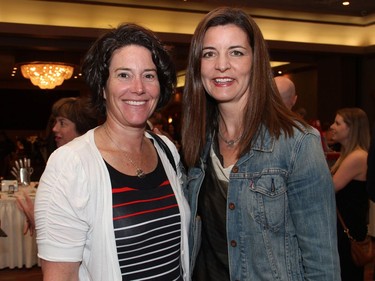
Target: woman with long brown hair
351,129
260,190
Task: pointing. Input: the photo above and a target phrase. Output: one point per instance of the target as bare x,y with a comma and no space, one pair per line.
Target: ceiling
32,30
356,8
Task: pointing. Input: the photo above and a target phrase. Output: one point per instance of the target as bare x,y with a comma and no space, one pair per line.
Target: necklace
140,173
229,143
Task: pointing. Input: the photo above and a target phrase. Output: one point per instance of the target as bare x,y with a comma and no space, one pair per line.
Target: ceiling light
346,3
47,75
278,63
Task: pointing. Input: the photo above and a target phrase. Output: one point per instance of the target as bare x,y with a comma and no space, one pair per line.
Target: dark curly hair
95,67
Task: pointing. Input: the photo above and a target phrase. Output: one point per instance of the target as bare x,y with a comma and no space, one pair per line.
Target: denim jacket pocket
268,190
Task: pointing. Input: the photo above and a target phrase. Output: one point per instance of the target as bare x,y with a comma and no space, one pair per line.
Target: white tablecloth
16,250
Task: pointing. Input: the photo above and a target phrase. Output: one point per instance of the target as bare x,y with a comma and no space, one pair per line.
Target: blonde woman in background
351,130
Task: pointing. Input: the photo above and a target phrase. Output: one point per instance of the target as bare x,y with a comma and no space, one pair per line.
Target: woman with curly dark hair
110,204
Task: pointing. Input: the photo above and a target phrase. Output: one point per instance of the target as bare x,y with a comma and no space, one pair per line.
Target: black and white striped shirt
147,226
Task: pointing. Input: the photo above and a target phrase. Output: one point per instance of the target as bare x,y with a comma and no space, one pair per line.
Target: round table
17,249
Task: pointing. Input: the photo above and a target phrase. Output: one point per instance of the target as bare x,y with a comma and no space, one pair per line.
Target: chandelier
47,75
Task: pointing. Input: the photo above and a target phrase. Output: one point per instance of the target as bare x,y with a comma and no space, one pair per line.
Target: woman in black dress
351,130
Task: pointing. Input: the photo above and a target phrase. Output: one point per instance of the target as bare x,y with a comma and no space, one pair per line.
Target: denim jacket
281,212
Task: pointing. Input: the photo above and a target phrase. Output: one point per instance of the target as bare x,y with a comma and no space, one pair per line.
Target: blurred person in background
371,186
371,168
287,91
70,118
351,130
7,148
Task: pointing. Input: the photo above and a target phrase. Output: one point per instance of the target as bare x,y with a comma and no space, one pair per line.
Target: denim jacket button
233,243
232,206
235,169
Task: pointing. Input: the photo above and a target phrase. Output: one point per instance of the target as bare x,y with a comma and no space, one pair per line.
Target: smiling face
226,63
132,90
339,130
64,130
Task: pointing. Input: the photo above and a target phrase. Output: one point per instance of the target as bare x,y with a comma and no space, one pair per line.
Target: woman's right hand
27,207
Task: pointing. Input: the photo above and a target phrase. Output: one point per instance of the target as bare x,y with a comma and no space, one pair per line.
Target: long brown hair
359,133
264,107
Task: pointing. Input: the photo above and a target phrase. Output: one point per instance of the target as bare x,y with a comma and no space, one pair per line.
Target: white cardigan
73,210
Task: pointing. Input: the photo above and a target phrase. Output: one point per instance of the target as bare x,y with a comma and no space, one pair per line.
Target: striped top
147,226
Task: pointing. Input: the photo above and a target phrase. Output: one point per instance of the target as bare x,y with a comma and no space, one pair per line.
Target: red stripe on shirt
122,189
145,212
127,189
142,201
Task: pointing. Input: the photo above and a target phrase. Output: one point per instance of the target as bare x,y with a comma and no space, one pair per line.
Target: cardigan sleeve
60,208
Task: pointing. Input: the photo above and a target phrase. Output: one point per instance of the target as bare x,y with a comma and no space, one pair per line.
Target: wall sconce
47,75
